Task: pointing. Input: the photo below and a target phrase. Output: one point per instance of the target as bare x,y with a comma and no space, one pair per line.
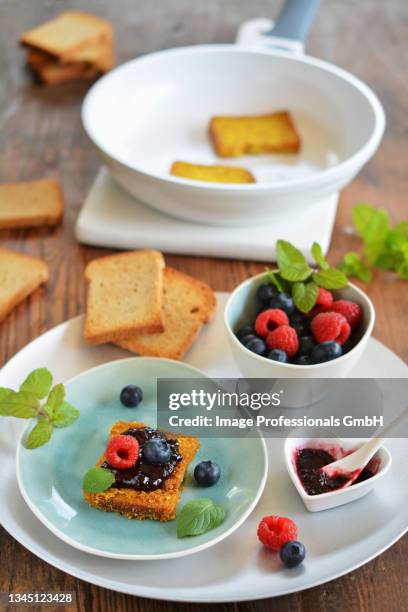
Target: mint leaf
4,392
97,479
402,269
281,285
20,404
64,415
330,279
39,435
402,228
292,263
372,224
305,295
199,516
55,399
287,255
353,265
296,273
38,383
362,215
318,256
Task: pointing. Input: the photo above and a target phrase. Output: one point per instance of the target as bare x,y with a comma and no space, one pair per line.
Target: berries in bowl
279,327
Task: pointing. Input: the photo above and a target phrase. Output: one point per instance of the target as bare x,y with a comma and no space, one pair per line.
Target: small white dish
380,464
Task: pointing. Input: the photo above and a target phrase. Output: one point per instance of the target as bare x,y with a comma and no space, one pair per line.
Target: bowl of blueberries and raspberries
270,336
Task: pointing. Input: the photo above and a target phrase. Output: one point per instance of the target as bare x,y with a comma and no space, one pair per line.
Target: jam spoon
352,465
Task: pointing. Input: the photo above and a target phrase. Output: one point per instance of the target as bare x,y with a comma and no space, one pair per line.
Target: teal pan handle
295,19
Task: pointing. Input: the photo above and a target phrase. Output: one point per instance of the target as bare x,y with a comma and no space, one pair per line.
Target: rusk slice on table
234,136
124,296
98,55
68,34
187,304
20,275
30,203
212,174
54,73
160,504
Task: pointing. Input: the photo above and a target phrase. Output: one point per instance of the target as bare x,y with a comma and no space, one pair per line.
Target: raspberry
285,338
328,326
275,531
122,452
323,302
269,319
350,311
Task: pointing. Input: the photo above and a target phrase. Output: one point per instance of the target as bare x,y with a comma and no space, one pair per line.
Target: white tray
110,217
238,568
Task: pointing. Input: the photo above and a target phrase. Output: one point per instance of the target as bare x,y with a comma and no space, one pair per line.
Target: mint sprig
384,247
26,404
199,516
300,280
97,479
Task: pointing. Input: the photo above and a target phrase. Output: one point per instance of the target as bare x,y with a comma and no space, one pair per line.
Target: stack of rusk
141,305
74,45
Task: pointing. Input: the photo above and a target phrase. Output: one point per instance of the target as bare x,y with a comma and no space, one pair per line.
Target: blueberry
292,553
306,345
247,330
256,345
282,301
246,339
156,451
131,396
296,318
326,351
300,323
265,292
207,473
303,360
277,355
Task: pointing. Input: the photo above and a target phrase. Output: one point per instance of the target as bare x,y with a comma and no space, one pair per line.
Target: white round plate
238,568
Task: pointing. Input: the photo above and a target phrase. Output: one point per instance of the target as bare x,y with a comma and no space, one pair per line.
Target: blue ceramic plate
50,477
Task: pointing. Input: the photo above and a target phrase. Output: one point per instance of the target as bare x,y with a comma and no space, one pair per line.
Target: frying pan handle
295,20
288,33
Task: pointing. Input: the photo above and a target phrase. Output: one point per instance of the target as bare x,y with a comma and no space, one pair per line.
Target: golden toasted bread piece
54,73
30,203
235,136
99,55
124,296
160,504
187,304
212,174
68,34
20,275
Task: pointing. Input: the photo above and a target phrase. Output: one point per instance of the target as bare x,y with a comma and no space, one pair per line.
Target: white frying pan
155,109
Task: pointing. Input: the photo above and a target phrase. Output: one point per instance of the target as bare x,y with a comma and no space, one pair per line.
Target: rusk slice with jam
160,504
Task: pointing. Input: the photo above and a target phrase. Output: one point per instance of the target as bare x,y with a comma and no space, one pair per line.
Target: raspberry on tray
275,531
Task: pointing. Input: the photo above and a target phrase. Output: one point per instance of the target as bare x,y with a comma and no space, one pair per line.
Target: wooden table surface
41,136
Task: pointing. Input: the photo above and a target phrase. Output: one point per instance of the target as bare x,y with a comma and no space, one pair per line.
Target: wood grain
41,135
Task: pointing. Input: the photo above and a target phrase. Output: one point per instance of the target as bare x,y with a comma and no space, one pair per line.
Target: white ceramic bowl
314,503
155,109
240,310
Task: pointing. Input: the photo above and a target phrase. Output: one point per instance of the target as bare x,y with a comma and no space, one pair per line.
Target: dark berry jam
143,476
309,462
